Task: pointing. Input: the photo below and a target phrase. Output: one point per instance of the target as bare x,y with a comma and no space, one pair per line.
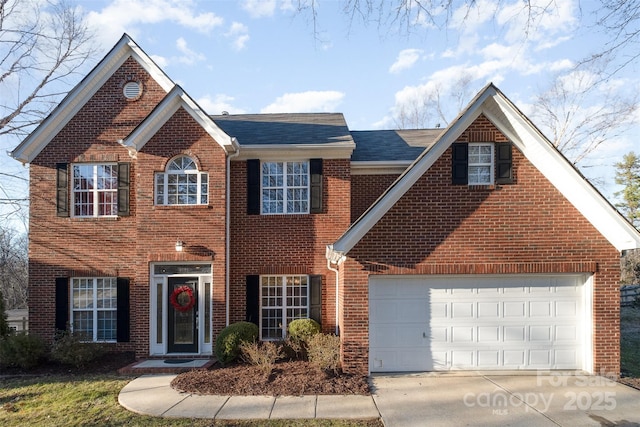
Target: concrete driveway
492,399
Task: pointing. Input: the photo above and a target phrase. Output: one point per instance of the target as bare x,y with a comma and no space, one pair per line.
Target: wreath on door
182,298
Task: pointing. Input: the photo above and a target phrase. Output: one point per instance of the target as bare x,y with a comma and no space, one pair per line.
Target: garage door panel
471,322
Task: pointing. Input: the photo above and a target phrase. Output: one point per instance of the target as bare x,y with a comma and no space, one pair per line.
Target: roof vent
132,90
225,113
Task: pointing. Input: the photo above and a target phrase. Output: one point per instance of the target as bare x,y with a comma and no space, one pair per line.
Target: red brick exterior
524,227
435,228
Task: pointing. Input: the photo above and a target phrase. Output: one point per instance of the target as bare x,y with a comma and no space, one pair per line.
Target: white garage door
440,323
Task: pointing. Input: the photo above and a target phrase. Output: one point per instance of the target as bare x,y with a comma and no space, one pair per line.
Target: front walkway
153,395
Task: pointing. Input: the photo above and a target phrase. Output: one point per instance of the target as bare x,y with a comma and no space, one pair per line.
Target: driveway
491,399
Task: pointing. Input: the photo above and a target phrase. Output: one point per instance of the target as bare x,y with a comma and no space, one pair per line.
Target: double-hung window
95,190
182,184
94,308
481,164
285,187
282,300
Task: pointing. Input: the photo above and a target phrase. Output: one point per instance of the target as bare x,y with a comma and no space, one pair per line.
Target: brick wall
365,189
287,244
525,227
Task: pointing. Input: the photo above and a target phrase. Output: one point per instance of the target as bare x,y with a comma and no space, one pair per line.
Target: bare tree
580,111
14,268
42,46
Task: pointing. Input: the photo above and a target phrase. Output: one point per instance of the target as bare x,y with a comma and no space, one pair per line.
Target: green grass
92,400
630,341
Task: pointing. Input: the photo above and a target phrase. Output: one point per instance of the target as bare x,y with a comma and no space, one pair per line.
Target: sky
264,56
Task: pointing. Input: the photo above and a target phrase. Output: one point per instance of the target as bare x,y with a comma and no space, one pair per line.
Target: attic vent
132,90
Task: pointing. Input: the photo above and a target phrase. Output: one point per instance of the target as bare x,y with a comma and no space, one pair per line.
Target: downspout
335,270
227,278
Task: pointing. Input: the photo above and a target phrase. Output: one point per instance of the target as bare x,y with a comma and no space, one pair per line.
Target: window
182,184
94,308
481,164
282,300
285,187
95,190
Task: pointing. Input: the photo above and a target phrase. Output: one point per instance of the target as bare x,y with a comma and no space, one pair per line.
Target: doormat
177,361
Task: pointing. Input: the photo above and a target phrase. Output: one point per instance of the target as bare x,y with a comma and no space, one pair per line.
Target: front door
183,313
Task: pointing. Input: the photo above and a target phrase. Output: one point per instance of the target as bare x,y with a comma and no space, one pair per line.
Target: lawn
630,341
91,400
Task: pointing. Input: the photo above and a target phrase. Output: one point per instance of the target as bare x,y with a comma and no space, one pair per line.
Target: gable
491,103
82,93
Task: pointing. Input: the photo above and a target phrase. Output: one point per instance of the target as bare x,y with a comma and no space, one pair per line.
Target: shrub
22,350
263,355
228,342
324,352
4,324
69,349
303,329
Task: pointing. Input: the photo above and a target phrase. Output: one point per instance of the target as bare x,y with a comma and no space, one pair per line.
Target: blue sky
254,56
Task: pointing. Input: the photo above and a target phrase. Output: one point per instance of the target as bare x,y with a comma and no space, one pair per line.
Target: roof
391,145
491,102
31,146
286,128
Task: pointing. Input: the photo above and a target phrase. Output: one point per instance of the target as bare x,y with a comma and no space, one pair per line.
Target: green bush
22,350
228,342
69,349
303,329
324,352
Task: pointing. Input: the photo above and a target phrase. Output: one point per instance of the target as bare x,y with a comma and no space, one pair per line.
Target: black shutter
253,187
123,189
62,189
459,167
122,316
315,298
253,299
62,303
504,169
315,166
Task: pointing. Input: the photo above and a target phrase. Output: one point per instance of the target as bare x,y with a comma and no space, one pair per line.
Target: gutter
227,278
336,258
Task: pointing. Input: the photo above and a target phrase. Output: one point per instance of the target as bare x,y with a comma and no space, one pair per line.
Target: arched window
182,183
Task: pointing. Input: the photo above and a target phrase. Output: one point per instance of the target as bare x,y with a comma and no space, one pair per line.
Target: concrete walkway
153,395
455,399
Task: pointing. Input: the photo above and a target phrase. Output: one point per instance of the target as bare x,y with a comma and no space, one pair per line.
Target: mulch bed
289,378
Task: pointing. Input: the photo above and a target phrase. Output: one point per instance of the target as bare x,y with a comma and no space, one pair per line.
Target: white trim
282,152
31,146
176,99
526,137
392,167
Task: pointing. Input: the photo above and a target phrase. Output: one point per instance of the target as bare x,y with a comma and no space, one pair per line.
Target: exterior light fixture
179,245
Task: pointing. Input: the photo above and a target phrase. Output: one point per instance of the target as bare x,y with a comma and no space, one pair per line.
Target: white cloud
189,57
160,60
305,102
218,103
239,34
259,8
405,60
122,16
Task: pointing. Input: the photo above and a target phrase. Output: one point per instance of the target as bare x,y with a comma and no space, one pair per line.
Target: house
153,225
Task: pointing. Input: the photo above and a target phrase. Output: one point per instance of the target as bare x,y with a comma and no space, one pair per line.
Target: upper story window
95,190
182,184
481,164
285,187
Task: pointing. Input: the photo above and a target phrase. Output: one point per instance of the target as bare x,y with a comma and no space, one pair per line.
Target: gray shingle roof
391,145
325,128
289,128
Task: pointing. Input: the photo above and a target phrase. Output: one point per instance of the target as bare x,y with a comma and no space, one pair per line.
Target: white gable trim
526,137
175,100
31,146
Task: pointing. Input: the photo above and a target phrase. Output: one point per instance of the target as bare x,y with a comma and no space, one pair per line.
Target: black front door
183,314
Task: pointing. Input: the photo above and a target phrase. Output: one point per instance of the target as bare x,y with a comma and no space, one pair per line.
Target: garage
478,322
